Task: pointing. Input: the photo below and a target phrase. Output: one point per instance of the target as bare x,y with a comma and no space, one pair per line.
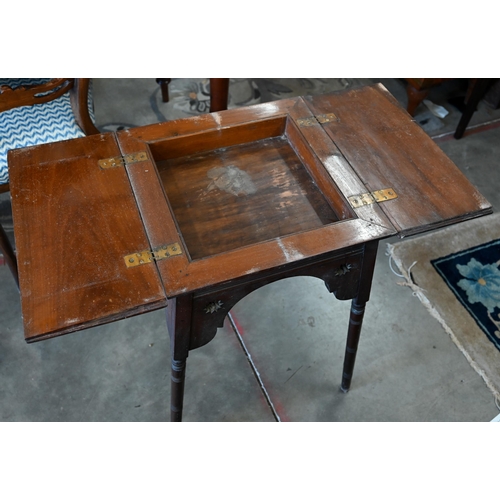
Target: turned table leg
179,329
353,334
177,388
357,313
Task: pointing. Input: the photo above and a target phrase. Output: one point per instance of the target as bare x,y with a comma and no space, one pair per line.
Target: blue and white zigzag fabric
38,124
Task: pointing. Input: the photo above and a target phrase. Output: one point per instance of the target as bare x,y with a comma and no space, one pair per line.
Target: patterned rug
455,272
474,277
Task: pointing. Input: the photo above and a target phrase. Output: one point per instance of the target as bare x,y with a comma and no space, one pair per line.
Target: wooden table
194,214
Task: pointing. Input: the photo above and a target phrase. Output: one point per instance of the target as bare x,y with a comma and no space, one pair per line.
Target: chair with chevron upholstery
35,111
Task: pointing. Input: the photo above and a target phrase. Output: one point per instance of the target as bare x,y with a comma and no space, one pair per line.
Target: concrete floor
293,333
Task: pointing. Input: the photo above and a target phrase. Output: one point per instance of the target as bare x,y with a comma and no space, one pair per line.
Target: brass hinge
379,196
147,256
120,161
314,120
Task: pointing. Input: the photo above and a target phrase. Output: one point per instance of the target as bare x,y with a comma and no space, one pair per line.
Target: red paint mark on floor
474,129
274,400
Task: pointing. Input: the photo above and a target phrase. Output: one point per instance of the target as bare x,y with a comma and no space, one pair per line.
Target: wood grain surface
261,131
242,195
74,223
387,148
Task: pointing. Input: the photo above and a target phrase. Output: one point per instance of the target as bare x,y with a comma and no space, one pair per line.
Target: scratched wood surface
387,149
74,223
180,141
242,195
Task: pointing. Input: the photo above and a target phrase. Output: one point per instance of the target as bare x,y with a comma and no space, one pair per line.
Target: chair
417,90
36,111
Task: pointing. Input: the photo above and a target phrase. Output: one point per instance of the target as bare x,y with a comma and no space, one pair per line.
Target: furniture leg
163,82
219,91
476,92
415,97
357,313
8,253
177,388
353,334
179,328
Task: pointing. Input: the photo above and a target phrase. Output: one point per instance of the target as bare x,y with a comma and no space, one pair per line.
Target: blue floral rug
474,278
455,272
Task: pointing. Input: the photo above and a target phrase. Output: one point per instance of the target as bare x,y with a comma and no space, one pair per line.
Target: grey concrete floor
293,332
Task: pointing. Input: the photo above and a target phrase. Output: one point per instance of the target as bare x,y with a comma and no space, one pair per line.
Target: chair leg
476,93
163,82
219,92
8,252
415,97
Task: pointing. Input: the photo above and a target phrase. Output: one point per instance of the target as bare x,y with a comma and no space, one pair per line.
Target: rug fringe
419,292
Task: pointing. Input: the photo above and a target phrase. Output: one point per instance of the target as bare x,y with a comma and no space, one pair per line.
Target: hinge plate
166,251
379,196
329,117
314,120
136,157
117,161
307,122
146,256
120,161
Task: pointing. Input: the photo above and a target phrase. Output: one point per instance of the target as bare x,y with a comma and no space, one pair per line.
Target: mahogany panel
189,144
75,222
340,274
389,150
276,253
156,213
321,177
333,164
224,200
235,234
210,121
